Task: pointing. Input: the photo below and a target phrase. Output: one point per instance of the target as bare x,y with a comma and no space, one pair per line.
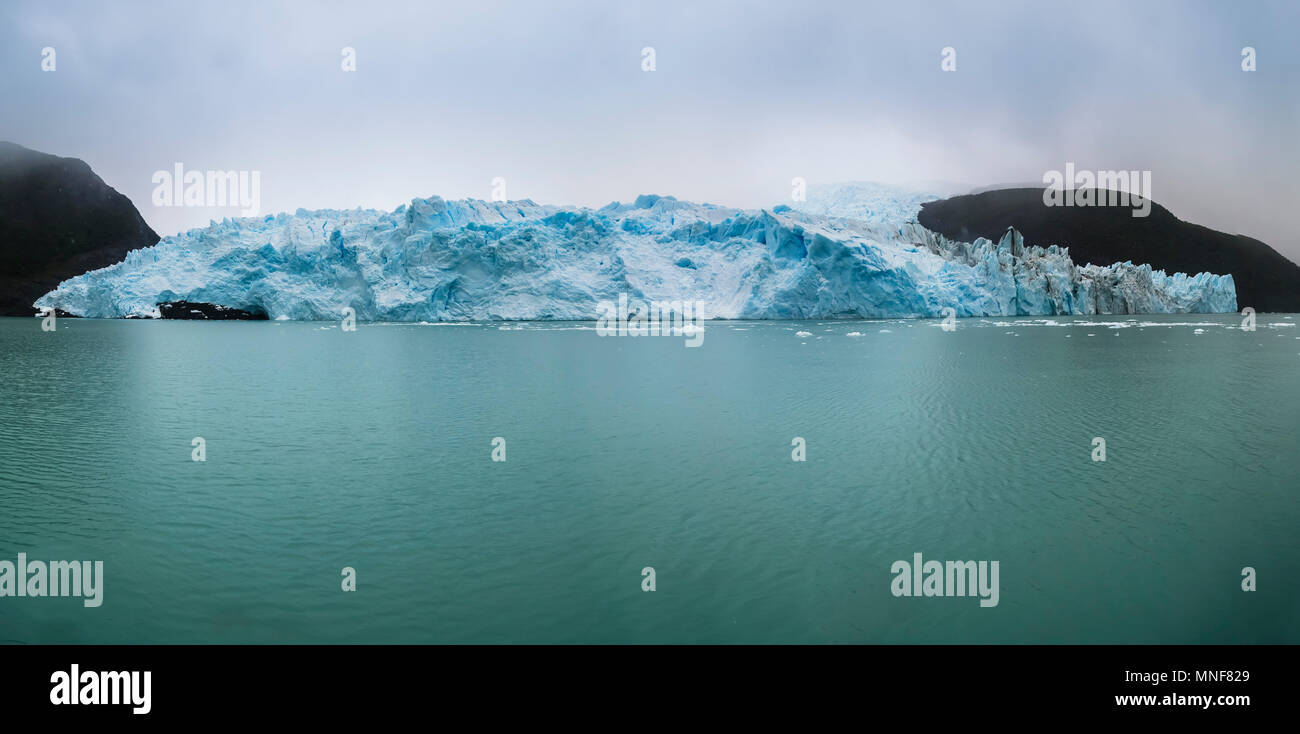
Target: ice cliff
849,251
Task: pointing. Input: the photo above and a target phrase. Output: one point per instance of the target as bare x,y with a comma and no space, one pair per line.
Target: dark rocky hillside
1103,235
57,220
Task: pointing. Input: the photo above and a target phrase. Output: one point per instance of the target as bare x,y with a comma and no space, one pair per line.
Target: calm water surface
371,449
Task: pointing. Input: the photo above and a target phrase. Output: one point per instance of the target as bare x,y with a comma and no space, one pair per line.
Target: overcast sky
552,97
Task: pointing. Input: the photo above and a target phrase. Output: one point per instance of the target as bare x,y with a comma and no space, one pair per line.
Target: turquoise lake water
372,449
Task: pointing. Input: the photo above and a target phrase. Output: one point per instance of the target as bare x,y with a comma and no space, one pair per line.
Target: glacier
849,251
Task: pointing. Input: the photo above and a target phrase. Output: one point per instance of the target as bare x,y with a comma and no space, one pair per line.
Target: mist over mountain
57,220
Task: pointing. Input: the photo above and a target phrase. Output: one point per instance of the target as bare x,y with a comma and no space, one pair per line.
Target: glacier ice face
850,251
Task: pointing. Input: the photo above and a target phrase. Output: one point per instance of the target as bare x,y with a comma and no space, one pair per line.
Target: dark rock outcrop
207,311
57,220
1102,235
